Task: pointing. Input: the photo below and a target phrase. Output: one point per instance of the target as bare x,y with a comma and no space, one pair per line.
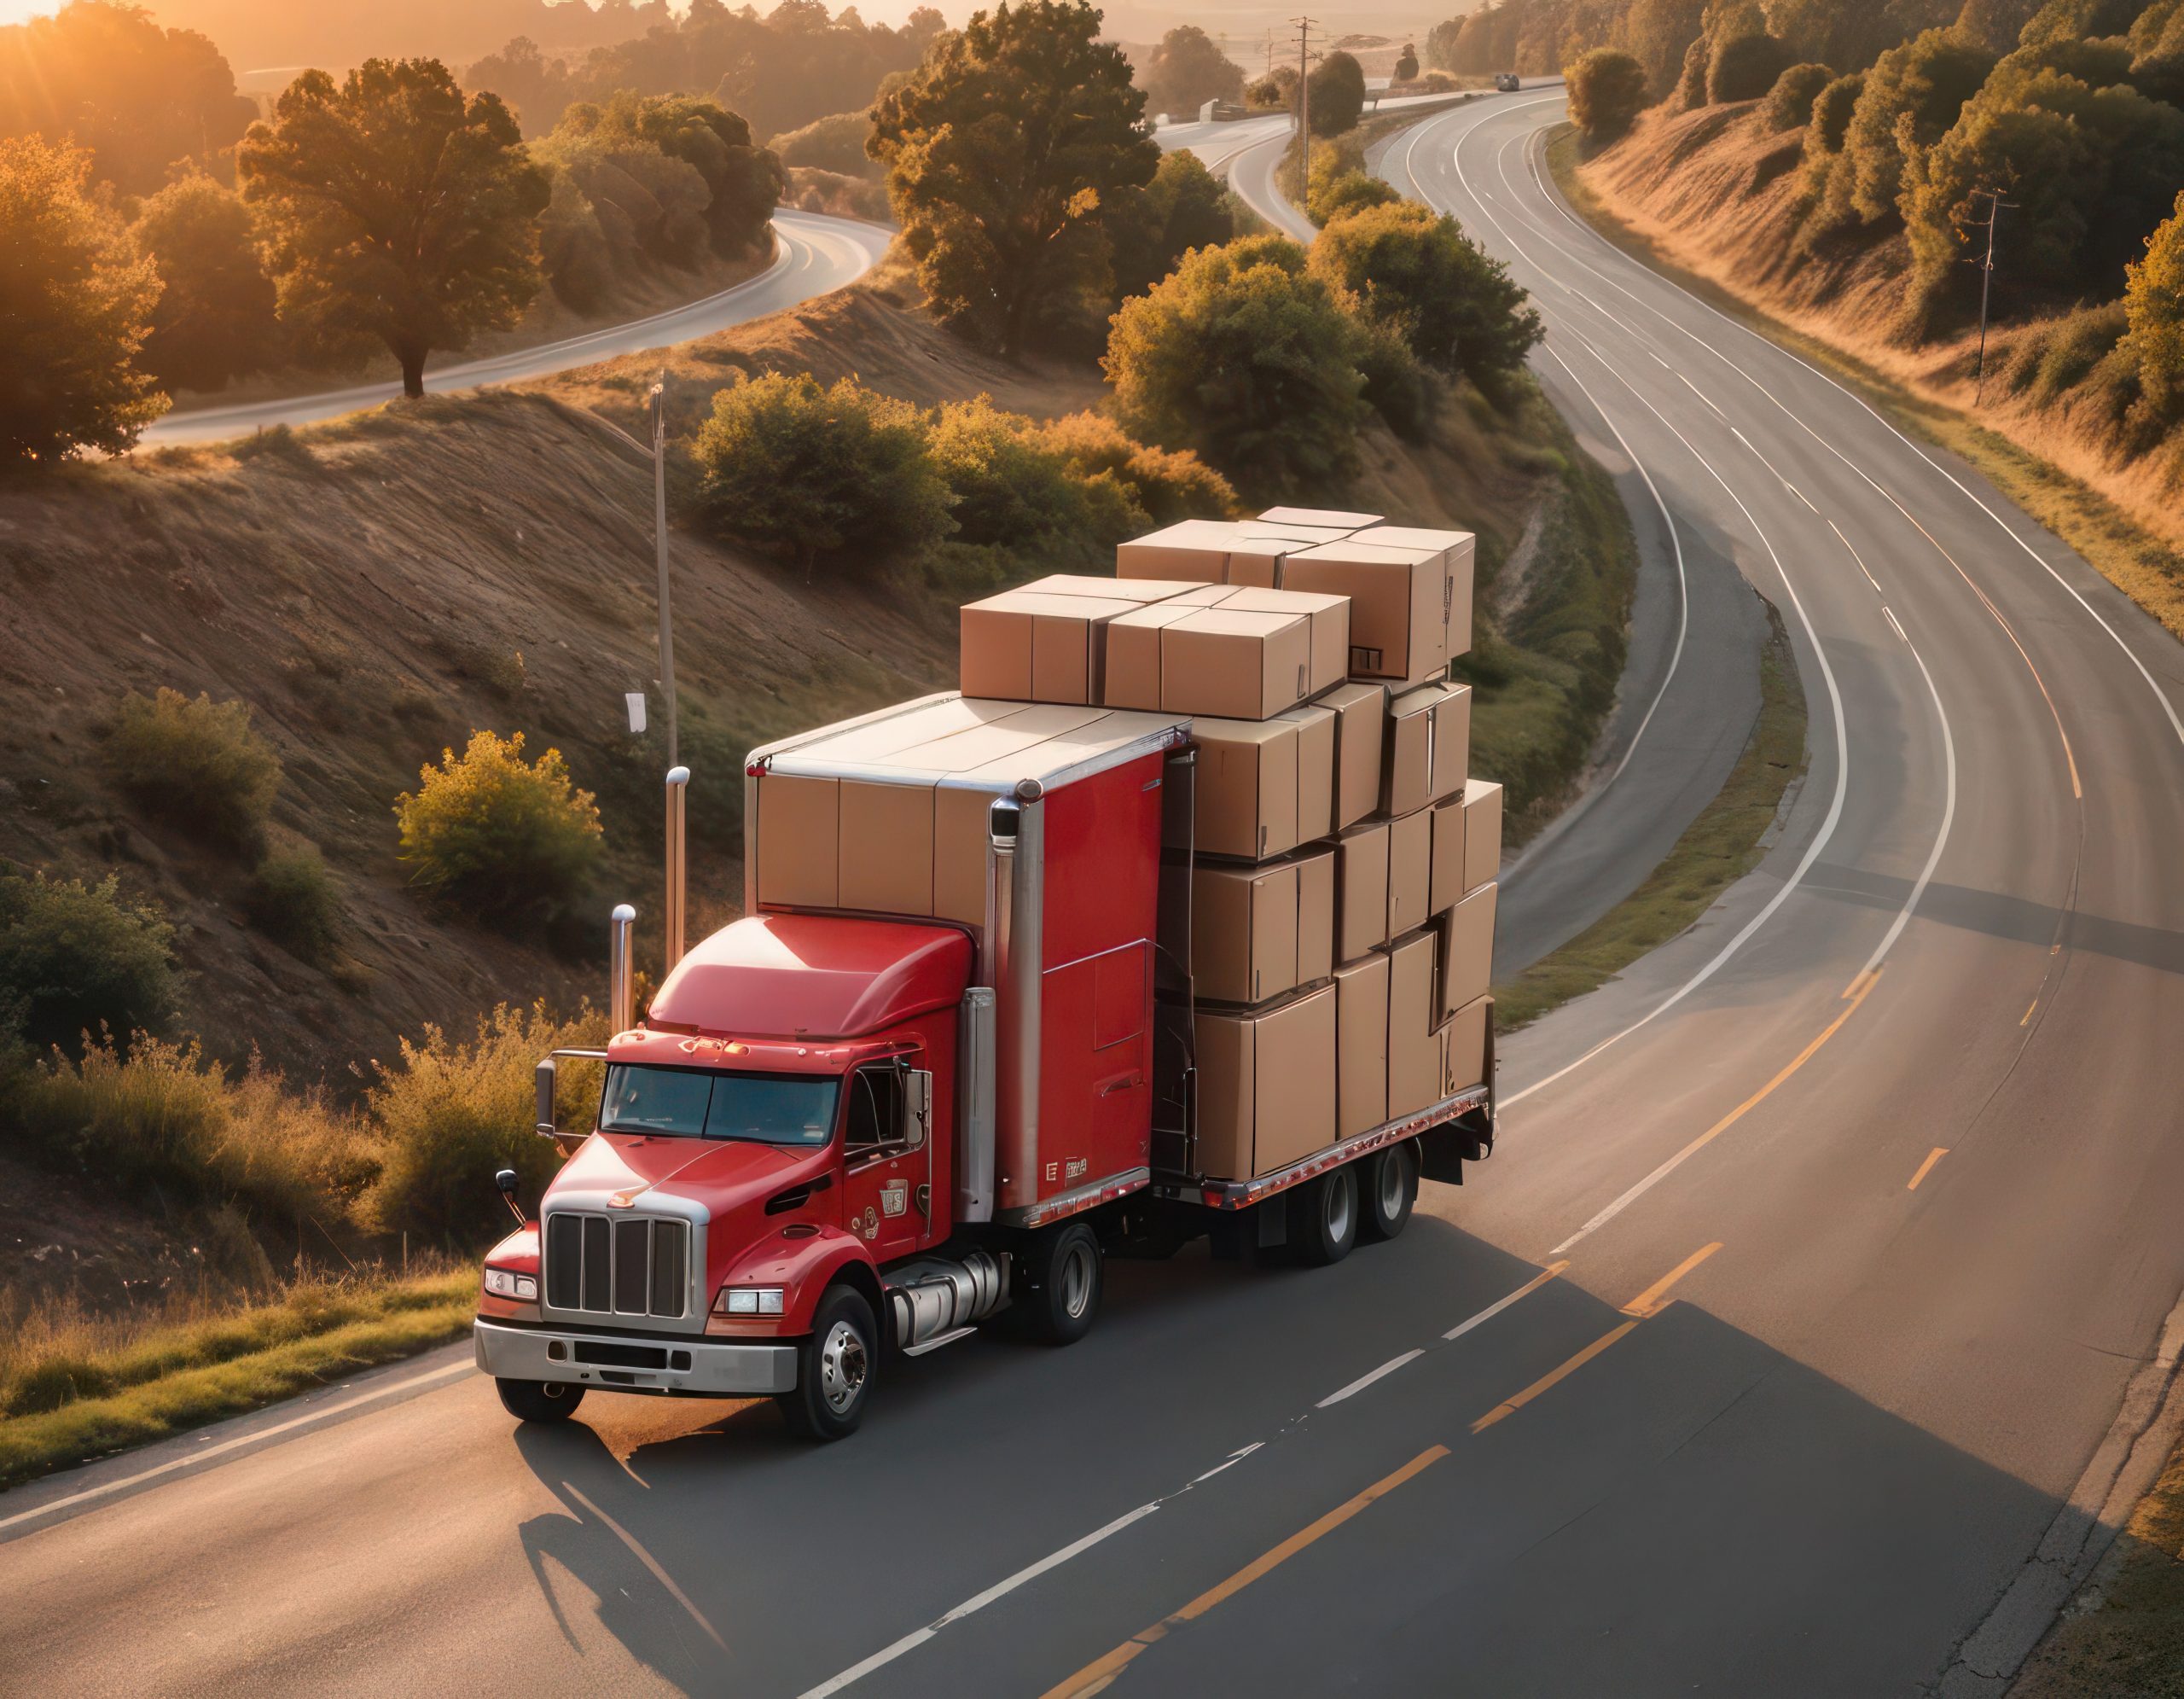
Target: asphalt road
1717,1377
814,254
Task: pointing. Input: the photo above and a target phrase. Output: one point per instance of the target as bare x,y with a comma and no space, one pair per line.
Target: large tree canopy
76,299
1000,154
215,319
1187,70
400,211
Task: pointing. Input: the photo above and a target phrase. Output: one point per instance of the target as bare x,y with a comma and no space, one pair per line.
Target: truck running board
938,1341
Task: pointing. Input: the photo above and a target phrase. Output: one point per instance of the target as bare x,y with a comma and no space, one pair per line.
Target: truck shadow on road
1691,1462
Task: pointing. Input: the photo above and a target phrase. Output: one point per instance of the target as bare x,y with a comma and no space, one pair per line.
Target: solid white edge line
108,1489
1365,1381
1495,1309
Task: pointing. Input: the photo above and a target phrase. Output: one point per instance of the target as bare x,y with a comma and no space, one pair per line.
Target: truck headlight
506,1283
748,1300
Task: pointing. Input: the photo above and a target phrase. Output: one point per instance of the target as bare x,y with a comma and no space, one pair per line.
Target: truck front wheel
1323,1217
834,1367
1390,1187
1062,1278
539,1400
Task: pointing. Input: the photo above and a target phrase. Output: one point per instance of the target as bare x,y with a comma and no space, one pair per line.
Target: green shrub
2069,351
158,1119
1831,114
293,902
1607,91
1167,485
1395,384
453,1114
1408,266
1338,193
500,835
1743,67
1149,230
1247,359
197,764
77,957
1790,102
1014,490
2154,304
805,473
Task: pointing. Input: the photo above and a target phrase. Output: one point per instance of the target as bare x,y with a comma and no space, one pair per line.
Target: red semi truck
941,1069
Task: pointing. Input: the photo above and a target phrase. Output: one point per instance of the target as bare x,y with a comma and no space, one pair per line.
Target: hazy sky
877,12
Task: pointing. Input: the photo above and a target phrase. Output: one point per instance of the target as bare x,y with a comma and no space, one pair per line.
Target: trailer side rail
1231,1195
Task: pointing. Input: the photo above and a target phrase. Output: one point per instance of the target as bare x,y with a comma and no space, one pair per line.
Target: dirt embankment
1717,194
377,587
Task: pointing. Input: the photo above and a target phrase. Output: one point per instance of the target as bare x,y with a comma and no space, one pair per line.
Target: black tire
1323,1217
1389,1180
539,1400
835,1368
1063,1276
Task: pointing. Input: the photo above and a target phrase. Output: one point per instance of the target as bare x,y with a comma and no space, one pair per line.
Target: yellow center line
1649,1301
1095,1677
2029,1008
1927,1166
1511,1406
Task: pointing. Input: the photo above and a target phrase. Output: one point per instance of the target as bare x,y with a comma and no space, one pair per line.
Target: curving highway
814,254
1814,1318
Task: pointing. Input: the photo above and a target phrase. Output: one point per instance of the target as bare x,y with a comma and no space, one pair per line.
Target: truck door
886,1194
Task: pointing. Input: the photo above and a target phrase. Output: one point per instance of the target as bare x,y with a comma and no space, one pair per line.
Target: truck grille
619,1266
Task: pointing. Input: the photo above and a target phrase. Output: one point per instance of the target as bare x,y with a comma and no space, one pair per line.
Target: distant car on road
1505,82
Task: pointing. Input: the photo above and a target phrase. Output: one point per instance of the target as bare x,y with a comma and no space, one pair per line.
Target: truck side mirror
917,1107
544,1077
506,1180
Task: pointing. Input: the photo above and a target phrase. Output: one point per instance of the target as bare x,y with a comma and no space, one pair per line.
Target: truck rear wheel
1323,1217
539,1400
1062,1280
1391,1187
834,1367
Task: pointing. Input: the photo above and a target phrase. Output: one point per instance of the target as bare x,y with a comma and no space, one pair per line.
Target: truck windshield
697,1102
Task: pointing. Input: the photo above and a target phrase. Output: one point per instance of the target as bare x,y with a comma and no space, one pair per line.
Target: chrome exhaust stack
679,788
621,977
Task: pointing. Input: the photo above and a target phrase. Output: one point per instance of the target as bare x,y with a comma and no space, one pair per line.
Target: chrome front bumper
619,1363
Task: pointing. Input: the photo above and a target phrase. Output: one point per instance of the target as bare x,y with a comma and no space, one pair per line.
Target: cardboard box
1266,1084
1398,612
1415,1066
1315,753
1450,764
1236,664
1196,549
1407,754
1482,834
1255,560
1295,536
1025,646
1459,550
1243,932
1361,887
1330,618
1143,591
800,839
1129,673
1360,713
1314,916
1410,872
960,854
1245,789
1348,521
1466,933
1466,1039
1361,1045
1445,887
885,859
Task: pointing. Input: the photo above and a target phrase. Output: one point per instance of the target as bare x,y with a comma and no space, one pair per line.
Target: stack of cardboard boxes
1331,887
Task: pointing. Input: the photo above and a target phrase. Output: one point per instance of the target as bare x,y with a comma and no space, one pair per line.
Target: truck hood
721,1174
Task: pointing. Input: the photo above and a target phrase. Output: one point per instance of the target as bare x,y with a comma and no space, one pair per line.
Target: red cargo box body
1058,894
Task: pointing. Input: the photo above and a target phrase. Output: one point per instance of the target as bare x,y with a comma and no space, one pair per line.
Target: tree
1187,70
215,319
399,210
1335,94
1691,80
1339,190
537,88
1277,88
1406,69
109,78
77,299
805,473
1607,91
738,185
1912,96
1743,67
1184,207
1790,102
1247,359
1000,156
2153,306
1994,24
1657,34
1412,269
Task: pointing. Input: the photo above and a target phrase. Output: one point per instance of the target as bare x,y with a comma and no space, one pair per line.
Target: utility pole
1996,205
1304,98
659,399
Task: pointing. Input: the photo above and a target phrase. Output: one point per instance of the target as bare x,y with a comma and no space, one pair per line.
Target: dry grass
74,1386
